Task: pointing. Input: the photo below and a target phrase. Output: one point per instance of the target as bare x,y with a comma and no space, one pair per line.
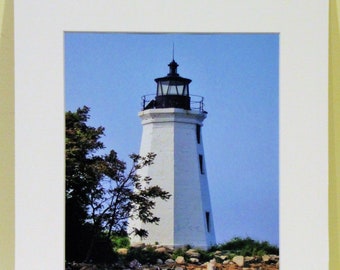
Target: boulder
138,245
211,265
180,260
194,260
223,257
274,258
169,261
170,249
265,258
161,250
249,258
122,251
135,264
192,253
225,262
239,260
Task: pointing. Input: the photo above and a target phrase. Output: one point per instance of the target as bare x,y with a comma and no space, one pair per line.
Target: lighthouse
172,123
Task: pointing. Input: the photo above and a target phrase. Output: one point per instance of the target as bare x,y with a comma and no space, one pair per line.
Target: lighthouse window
172,90
185,90
159,90
180,89
198,133
207,218
201,163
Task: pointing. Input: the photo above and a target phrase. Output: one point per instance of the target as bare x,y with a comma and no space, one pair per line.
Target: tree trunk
93,240
90,249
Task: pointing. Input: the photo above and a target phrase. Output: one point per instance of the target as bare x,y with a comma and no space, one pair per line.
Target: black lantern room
172,90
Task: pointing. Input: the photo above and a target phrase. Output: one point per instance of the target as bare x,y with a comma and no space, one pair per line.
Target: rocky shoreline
190,260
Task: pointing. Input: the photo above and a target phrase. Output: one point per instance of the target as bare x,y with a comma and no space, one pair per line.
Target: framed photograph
40,32
233,84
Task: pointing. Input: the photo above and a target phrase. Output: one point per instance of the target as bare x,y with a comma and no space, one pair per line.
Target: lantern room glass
172,88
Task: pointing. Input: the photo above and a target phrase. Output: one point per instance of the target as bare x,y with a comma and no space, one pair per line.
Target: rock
194,260
169,261
179,268
274,258
265,258
159,261
138,245
122,251
249,258
192,253
135,264
218,252
239,260
225,262
211,265
180,260
223,257
170,249
161,250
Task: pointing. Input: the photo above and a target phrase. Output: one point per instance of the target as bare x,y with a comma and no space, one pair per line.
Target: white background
39,111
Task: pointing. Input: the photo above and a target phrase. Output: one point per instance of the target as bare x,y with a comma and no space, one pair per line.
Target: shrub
247,247
120,241
206,255
179,252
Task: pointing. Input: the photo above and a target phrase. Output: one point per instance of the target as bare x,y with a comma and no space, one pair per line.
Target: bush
247,247
120,241
179,252
205,255
103,252
102,249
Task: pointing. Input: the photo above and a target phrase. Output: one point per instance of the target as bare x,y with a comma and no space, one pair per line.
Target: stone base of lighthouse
174,135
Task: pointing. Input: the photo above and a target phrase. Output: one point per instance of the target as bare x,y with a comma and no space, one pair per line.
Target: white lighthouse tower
172,130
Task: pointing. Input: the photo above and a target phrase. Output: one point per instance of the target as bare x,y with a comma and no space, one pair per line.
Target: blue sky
237,74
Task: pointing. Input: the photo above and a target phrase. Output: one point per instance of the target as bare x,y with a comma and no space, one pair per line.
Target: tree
101,194
81,143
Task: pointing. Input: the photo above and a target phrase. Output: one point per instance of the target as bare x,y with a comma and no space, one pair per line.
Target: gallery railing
196,102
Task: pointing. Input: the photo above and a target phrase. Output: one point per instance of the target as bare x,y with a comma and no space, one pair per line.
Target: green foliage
206,255
101,190
237,246
247,247
179,252
81,141
120,241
